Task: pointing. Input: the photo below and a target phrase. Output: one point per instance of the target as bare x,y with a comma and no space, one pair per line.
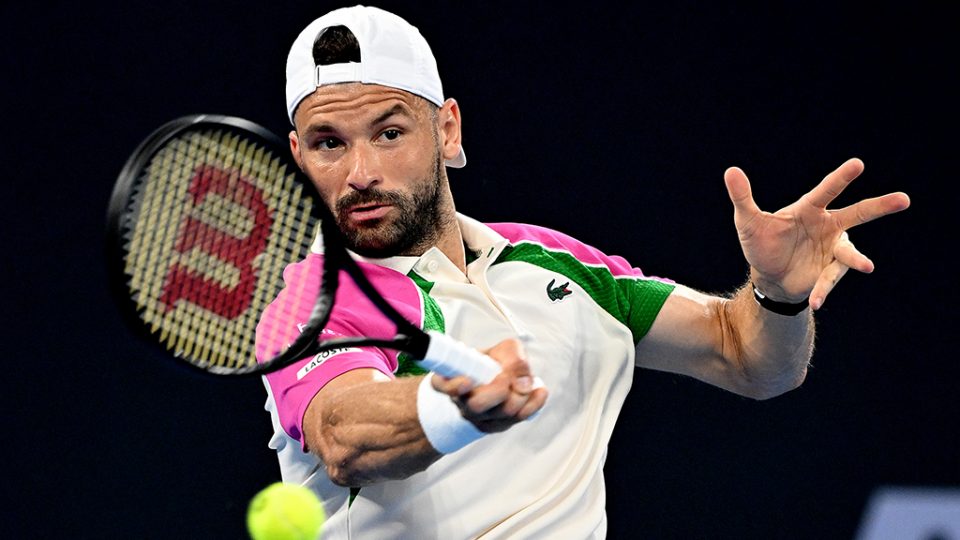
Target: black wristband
780,308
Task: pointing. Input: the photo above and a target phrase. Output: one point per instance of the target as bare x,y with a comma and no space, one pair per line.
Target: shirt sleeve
621,289
294,386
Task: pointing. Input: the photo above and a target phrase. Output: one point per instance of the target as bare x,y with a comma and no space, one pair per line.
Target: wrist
441,420
773,288
781,308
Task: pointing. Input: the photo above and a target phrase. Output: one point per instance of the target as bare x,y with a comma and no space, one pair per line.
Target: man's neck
451,244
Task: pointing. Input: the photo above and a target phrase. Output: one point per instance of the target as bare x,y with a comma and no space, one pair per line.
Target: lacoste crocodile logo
555,294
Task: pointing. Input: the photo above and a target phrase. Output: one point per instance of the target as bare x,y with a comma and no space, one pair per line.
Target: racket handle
450,358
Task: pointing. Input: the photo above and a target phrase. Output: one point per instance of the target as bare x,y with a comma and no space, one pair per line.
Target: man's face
373,154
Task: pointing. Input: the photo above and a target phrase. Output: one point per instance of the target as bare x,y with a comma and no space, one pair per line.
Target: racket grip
450,358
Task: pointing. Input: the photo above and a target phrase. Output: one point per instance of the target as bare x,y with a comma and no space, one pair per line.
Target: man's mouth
366,212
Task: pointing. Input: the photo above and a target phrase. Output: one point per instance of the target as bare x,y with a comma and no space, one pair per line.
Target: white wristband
441,419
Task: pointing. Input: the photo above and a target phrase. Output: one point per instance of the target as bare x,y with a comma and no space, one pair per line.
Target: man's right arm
366,427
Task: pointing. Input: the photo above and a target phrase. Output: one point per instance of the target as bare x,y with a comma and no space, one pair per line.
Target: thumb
738,188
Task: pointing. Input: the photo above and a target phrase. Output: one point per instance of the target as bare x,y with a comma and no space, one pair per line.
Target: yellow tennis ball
283,511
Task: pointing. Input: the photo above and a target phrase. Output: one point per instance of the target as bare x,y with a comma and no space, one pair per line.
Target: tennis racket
204,217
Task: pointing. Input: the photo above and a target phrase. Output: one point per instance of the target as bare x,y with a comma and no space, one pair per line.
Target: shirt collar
484,241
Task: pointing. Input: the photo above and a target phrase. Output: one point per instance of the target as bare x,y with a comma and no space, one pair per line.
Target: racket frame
409,338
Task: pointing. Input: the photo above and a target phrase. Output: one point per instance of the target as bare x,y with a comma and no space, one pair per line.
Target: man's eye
391,134
329,143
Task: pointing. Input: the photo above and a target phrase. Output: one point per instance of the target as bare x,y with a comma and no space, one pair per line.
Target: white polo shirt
581,314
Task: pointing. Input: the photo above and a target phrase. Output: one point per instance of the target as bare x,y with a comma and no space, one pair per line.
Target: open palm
803,250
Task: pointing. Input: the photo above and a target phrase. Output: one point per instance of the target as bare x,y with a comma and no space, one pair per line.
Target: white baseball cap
392,53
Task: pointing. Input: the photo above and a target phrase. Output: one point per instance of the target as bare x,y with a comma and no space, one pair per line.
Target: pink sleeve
353,315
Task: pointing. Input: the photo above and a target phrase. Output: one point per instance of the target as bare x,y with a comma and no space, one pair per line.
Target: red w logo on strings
183,283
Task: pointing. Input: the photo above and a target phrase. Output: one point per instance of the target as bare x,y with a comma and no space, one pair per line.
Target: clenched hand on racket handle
511,397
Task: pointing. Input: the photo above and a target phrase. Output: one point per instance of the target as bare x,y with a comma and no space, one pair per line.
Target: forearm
770,352
369,432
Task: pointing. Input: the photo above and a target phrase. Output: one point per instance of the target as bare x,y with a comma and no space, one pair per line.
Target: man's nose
364,171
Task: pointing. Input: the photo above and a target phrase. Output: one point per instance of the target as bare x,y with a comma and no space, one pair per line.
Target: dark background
612,124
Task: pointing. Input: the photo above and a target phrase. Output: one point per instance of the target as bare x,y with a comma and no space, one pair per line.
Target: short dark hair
335,45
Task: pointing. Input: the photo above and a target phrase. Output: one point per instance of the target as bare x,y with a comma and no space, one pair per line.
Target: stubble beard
417,226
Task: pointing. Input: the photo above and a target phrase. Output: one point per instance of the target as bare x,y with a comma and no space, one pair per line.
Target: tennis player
397,453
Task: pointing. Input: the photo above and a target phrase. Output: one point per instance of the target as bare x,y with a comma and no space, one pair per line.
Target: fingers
514,379
828,279
454,386
834,183
510,412
738,188
526,403
508,353
871,209
846,256
538,398
510,398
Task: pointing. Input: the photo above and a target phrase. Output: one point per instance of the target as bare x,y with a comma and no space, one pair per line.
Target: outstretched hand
801,251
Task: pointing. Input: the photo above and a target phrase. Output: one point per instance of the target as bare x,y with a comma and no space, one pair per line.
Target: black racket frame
409,338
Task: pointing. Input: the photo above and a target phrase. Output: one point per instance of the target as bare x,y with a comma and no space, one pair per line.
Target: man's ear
295,148
449,120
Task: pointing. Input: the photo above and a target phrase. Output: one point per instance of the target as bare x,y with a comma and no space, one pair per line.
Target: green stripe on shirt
634,301
432,320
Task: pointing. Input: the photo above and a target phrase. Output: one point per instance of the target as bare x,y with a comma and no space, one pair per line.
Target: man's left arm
796,254
732,343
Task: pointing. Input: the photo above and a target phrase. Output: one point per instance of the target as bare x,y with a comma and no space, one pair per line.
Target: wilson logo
555,294
196,234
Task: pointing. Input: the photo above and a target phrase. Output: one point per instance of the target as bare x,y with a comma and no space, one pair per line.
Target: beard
414,229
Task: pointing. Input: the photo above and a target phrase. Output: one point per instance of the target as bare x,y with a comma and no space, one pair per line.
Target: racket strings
216,217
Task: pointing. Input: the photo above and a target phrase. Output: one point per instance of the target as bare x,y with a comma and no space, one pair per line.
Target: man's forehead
360,99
